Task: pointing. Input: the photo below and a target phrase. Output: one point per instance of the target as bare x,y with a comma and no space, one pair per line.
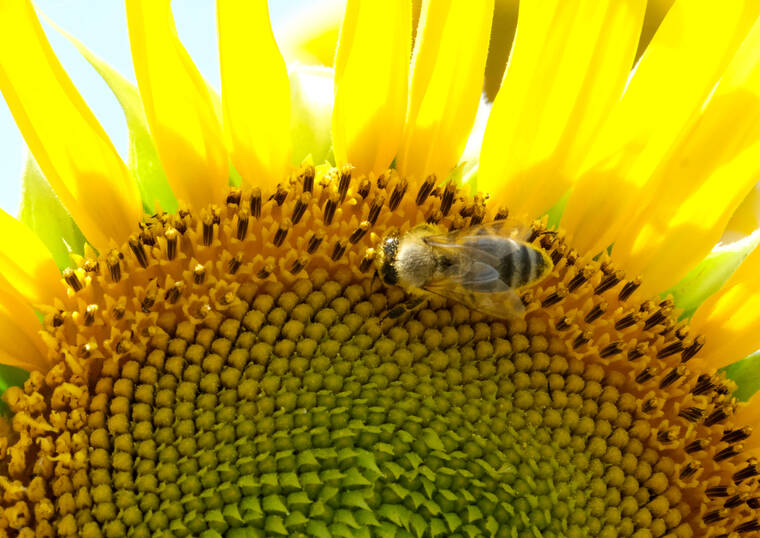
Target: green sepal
43,213
707,277
10,376
746,374
143,159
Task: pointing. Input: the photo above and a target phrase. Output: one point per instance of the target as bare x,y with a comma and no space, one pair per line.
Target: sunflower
208,346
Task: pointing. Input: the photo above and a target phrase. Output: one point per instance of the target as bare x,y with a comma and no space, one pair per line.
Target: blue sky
101,26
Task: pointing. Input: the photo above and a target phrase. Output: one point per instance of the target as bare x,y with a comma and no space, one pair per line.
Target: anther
718,415
265,271
667,436
715,515
734,436
502,213
670,349
716,492
364,188
728,452
703,386
627,321
344,182
298,265
234,264
688,470
308,174
655,319
595,312
629,288
357,234
696,446
749,471
242,224
609,282
300,207
175,292
281,233
580,277
649,405
563,324
382,181
84,351
256,202
554,298
330,206
645,375
753,502
234,196
398,194
199,274
314,241
693,349
614,348
118,310
149,300
477,216
338,250
91,266
581,339
556,256
692,414
58,319
89,314
733,502
375,208
139,251
171,235
434,217
208,228
638,351
71,278
672,376
369,258
447,199
279,196
751,525
425,189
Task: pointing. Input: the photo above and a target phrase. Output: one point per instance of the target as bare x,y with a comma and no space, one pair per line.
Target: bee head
386,258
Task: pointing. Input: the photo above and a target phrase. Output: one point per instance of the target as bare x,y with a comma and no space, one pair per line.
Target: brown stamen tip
139,251
502,213
344,181
314,241
89,314
71,278
375,208
447,199
298,265
233,198
696,446
171,235
308,174
199,274
425,189
670,349
672,376
357,234
242,223
364,188
595,312
338,250
330,206
280,195
281,233
256,202
614,348
367,260
235,263
265,271
300,207
398,194
207,218
609,282
175,292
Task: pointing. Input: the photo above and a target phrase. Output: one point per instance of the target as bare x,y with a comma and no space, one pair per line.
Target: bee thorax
415,263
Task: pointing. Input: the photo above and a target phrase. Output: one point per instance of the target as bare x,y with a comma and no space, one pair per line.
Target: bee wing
503,304
498,228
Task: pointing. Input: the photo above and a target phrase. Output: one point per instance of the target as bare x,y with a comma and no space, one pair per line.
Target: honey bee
482,266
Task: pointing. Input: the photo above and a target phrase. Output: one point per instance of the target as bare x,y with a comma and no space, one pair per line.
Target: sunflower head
251,363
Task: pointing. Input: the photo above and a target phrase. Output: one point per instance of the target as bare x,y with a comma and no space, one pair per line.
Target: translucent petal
746,218
447,80
177,104
679,69
706,176
371,79
26,263
66,140
20,342
728,319
568,68
311,101
255,91
310,34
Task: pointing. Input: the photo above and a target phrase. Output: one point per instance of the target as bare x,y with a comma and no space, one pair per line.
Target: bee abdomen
521,266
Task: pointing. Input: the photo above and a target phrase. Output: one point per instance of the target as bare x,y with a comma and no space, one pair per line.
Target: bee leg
407,307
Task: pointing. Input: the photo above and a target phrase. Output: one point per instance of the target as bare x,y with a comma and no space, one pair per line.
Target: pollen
233,372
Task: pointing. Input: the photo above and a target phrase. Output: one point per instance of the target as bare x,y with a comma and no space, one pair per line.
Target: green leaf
746,374
707,277
10,376
42,212
143,158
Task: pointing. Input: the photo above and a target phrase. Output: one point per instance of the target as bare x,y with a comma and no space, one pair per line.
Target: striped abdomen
522,264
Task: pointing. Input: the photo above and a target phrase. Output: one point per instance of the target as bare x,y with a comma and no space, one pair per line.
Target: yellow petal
447,80
568,67
67,141
746,218
686,57
255,91
706,177
178,106
371,79
311,33
20,341
728,319
26,263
